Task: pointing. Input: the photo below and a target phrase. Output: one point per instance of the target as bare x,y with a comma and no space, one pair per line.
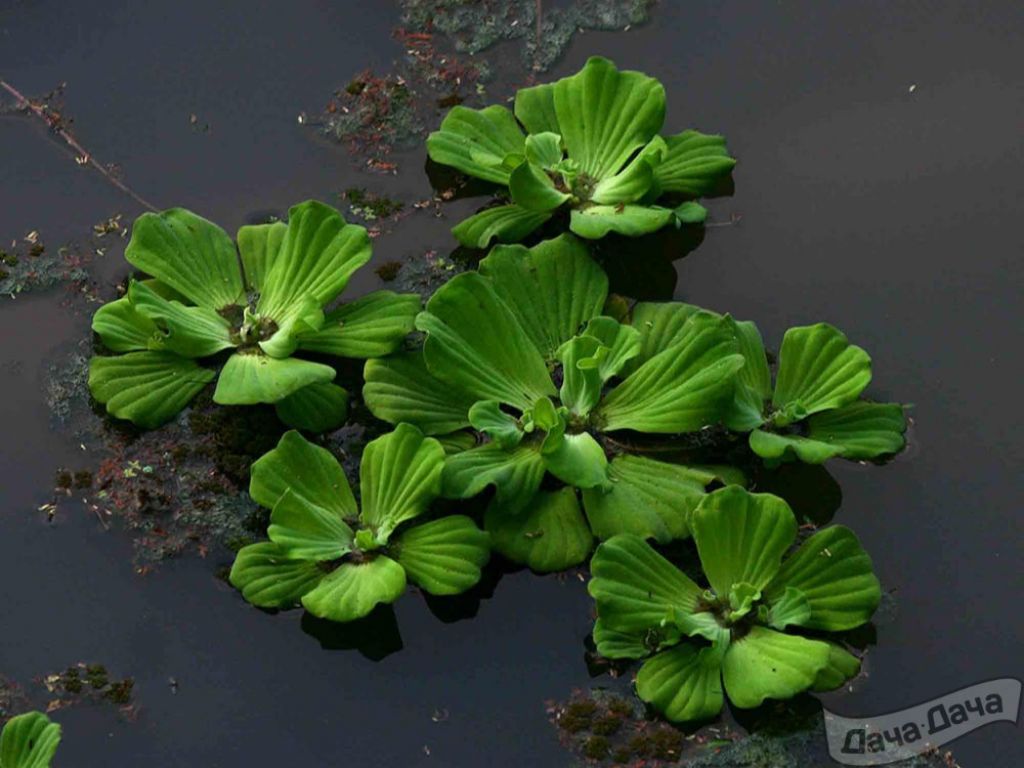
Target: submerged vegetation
588,144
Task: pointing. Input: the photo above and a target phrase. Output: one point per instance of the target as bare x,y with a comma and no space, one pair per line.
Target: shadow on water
375,637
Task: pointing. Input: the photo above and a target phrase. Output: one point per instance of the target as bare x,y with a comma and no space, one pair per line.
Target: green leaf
754,382
258,245
399,477
554,288
818,370
476,343
690,213
268,578
531,188
456,442
613,644
186,331
444,556
581,360
660,325
683,683
352,590
576,460
476,142
595,221
694,164
544,149
504,223
648,498
842,665
188,253
318,254
251,377
637,589
623,343
309,494
765,664
372,326
681,389
741,537
775,448
549,535
791,609
515,474
602,114
635,180
29,741
487,417
401,389
146,388
316,408
862,430
835,576
303,318
121,328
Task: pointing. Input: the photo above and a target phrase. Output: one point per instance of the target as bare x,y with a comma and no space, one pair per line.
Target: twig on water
734,219
83,156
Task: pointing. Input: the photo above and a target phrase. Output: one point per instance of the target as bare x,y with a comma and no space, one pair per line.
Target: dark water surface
895,215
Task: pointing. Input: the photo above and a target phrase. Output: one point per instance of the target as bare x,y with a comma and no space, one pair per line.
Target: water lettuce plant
815,411
735,634
521,353
29,741
247,310
340,559
588,144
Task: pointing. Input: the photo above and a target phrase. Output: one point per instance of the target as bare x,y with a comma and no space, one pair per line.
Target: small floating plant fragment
521,354
588,144
734,636
29,741
249,310
815,411
339,559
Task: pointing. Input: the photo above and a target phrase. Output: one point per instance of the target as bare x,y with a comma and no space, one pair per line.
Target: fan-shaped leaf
581,360
315,408
503,223
401,389
681,389
476,343
818,369
400,475
251,377
121,328
683,683
186,331
834,574
372,326
862,430
741,537
637,589
694,164
595,221
146,388
553,289
531,188
623,343
309,494
602,114
188,253
544,149
258,245
577,460
549,535
268,578
765,664
476,142
318,254
635,180
487,417
352,590
29,741
648,498
515,474
842,665
775,448
660,325
444,556
754,382
613,644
